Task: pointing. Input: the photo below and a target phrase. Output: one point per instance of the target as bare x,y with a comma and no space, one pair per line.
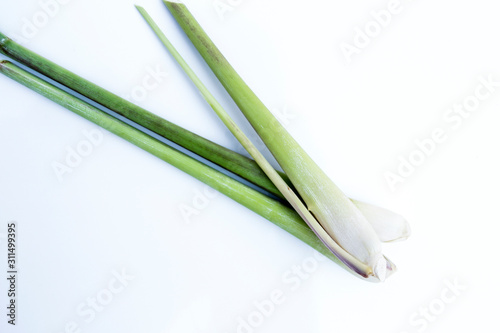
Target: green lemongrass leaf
286,191
230,160
329,205
271,209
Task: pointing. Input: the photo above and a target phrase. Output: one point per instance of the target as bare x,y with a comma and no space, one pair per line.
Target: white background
119,209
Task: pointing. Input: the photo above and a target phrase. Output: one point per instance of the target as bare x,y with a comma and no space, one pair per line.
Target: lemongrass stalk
332,209
269,208
285,190
230,160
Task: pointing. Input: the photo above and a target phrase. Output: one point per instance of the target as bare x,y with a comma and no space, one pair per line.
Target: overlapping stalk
384,225
340,222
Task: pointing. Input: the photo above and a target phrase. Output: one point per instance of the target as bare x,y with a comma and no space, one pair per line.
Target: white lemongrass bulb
342,220
389,226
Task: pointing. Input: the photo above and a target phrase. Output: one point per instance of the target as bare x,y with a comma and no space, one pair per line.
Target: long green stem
232,161
271,209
